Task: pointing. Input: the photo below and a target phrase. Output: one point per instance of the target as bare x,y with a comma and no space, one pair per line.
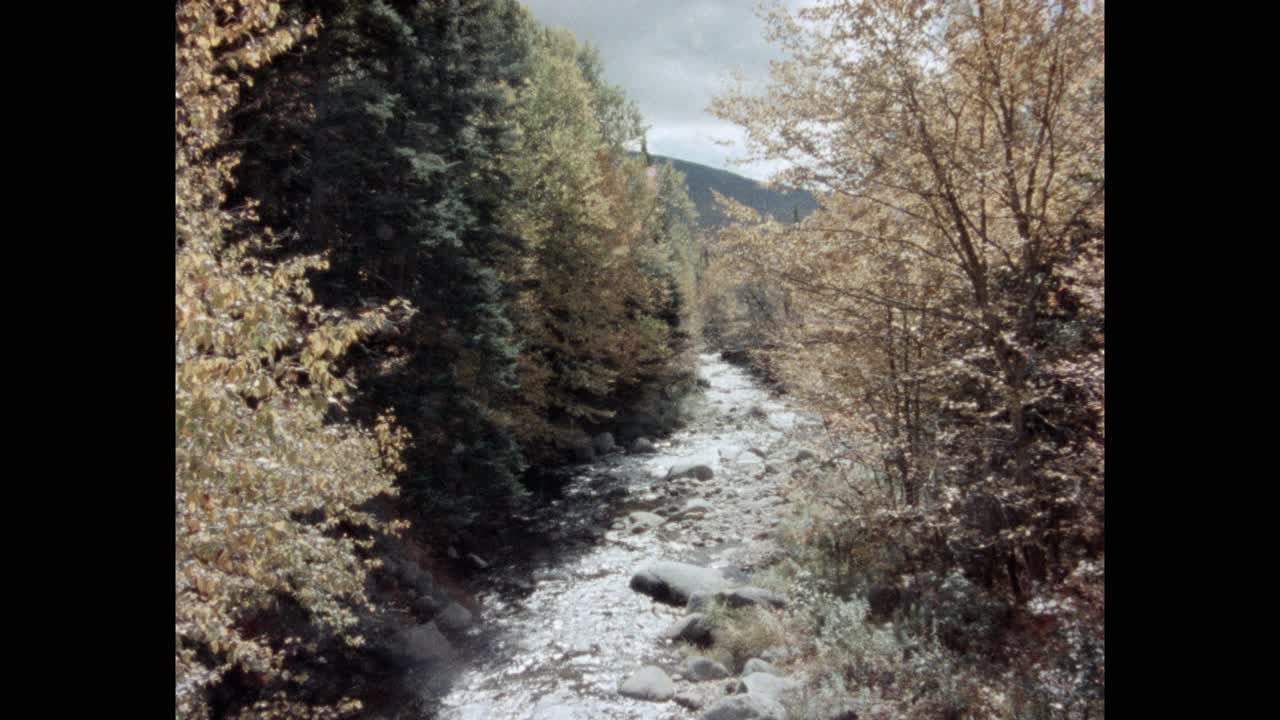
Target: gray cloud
671,57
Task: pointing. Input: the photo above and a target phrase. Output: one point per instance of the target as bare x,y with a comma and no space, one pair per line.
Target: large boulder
768,685
698,472
698,669
454,618
415,577
642,520
423,644
693,628
695,508
746,707
648,683
673,582
698,602
428,605
603,443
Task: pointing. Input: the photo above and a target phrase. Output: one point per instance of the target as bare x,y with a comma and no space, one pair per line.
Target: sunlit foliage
950,311
607,244
265,490
410,251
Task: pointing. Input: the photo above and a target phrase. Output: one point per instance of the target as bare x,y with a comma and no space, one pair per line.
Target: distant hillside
783,205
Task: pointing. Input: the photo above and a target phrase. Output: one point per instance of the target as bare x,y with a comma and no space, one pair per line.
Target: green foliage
599,302
388,129
467,159
617,117
434,215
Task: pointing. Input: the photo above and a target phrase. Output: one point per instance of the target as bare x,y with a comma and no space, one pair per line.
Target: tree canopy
411,257
951,322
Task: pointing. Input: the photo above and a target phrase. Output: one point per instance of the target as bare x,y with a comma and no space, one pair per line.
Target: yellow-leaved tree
267,494
587,310
950,311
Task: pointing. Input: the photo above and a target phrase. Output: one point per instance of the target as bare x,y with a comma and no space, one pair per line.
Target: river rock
427,606
698,602
768,685
603,443
756,665
415,577
648,683
699,472
693,628
641,520
673,582
455,618
746,707
695,508
698,669
424,644
642,446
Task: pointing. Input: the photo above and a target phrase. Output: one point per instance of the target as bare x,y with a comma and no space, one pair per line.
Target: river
559,626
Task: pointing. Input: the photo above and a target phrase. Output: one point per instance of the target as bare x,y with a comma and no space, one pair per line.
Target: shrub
744,633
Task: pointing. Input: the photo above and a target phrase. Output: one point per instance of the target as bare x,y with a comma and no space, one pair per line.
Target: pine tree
391,164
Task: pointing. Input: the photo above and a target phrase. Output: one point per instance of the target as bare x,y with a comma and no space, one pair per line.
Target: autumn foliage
949,318
411,255
604,280
264,488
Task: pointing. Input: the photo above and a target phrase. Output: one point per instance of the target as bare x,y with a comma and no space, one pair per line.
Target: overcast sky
671,57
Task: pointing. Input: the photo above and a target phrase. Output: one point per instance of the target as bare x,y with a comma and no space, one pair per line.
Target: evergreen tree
392,167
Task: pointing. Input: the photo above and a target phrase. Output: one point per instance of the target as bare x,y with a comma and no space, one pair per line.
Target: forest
424,261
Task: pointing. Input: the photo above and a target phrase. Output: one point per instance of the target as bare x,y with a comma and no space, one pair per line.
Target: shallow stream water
559,627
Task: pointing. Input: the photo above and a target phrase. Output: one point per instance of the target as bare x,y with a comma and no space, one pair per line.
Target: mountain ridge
783,204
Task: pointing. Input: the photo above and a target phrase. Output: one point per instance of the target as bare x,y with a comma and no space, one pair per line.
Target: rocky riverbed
578,618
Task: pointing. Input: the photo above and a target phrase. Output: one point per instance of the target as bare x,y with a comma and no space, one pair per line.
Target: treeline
945,310
412,258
